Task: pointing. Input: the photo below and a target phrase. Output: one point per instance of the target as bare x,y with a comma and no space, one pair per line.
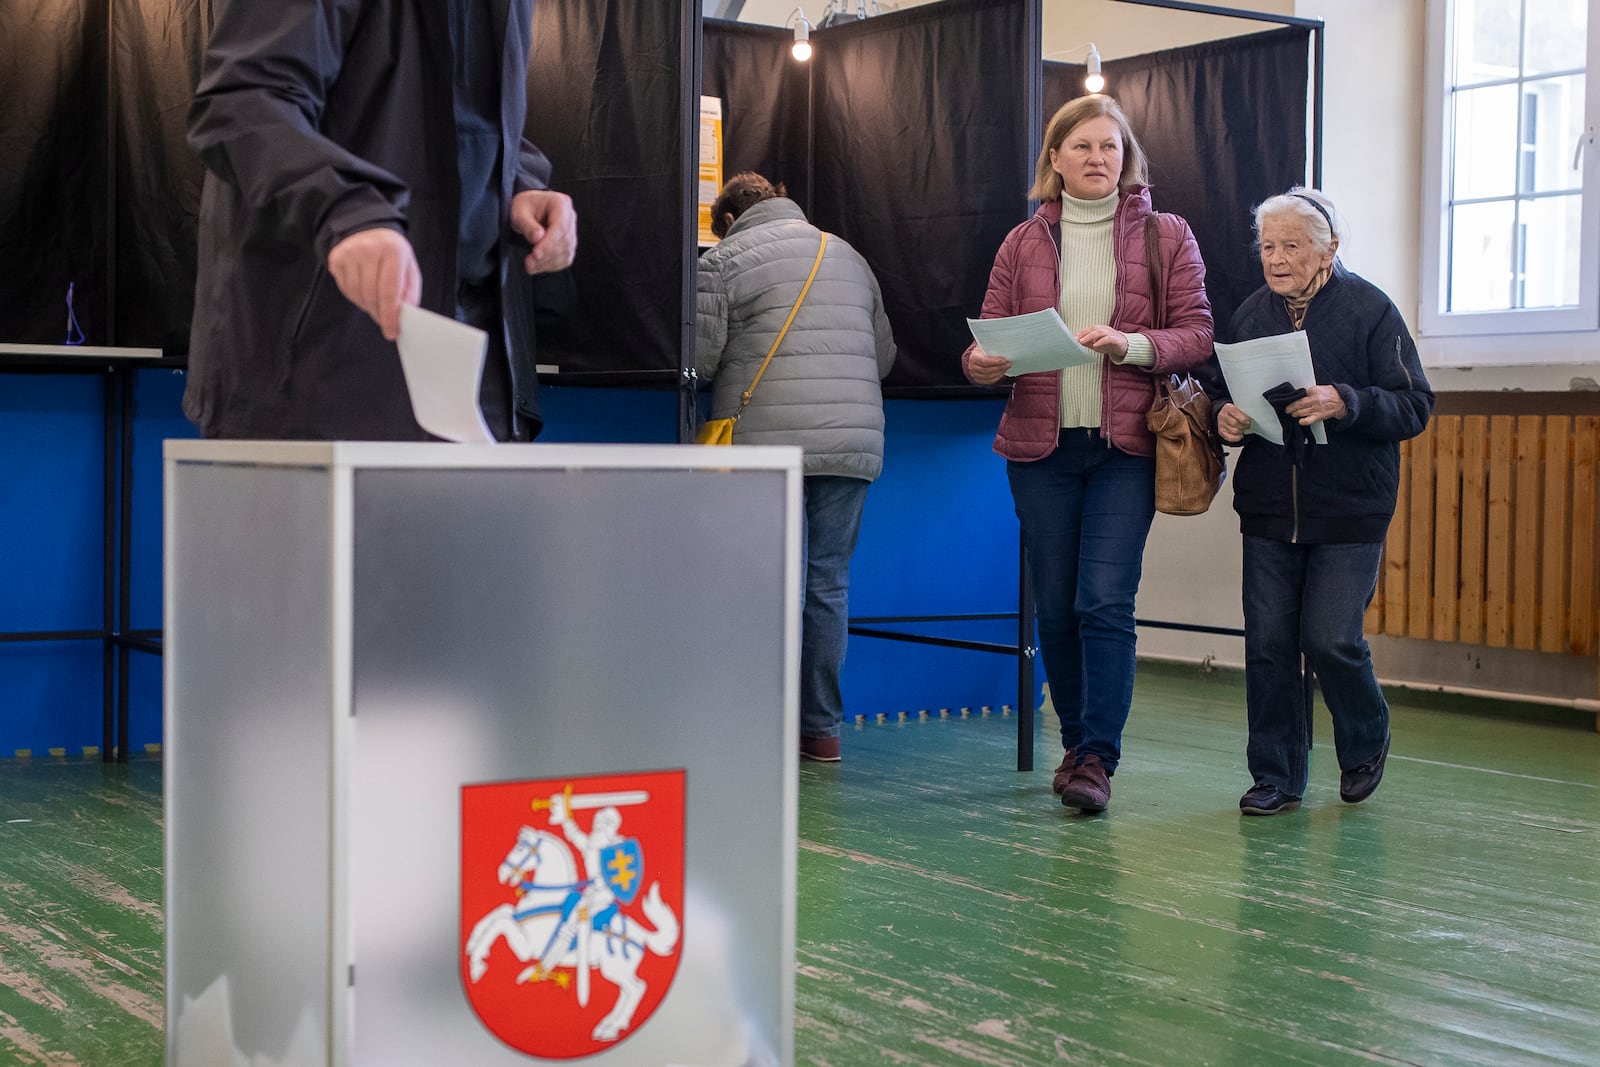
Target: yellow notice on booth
710,163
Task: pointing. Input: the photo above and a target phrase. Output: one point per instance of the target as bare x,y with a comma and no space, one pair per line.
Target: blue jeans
1308,599
1086,510
833,521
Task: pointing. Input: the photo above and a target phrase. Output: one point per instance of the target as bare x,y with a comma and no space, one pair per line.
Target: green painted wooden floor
952,913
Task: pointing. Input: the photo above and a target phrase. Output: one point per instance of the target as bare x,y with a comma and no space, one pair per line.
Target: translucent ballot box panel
248,754
544,725
550,627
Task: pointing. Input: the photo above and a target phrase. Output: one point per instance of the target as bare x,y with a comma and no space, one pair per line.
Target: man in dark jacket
361,155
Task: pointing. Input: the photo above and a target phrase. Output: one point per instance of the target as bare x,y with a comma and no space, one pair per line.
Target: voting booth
480,754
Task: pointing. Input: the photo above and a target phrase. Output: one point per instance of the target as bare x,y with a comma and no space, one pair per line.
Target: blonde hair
1068,117
1323,222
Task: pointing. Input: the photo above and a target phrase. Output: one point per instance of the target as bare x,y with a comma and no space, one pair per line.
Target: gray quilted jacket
821,390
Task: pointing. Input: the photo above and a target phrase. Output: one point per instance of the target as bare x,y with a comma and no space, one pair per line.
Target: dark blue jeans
1086,510
1308,599
833,522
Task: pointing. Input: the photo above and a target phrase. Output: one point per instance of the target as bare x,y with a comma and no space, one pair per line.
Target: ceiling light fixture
1094,81
801,49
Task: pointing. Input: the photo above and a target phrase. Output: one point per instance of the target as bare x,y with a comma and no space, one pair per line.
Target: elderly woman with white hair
1314,517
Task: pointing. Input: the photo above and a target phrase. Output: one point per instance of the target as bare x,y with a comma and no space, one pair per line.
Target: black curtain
918,157
920,161
604,104
1224,125
155,65
54,175
98,190
765,96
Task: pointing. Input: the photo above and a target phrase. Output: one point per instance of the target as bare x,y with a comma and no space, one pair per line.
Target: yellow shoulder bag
720,431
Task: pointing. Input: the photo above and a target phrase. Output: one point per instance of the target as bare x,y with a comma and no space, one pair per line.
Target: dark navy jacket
1345,490
315,119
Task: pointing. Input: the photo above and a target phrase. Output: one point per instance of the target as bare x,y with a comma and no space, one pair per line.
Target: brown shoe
1069,760
820,749
1089,788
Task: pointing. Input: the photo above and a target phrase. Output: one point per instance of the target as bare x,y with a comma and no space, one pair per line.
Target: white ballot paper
443,362
1033,342
1253,367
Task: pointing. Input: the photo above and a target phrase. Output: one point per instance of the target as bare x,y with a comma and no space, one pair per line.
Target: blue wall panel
939,537
618,416
51,430
51,533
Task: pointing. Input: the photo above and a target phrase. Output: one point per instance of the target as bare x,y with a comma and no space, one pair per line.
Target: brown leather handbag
1190,463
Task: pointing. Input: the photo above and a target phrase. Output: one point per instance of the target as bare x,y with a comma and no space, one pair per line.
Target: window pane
1557,32
1485,142
1480,257
1552,122
1550,232
1487,32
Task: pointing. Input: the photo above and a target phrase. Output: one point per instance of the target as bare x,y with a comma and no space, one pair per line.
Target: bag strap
744,400
1152,255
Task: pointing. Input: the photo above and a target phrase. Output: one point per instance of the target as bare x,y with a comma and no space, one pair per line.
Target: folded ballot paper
443,363
1033,342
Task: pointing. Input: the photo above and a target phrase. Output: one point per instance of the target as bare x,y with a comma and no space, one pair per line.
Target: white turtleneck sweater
1088,297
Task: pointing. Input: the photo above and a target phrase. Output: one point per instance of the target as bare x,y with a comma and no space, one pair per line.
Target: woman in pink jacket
1079,455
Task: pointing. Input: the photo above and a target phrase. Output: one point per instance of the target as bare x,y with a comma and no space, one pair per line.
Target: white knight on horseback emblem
588,901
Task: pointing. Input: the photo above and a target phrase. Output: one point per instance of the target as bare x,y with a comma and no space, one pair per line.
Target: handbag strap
744,400
1152,255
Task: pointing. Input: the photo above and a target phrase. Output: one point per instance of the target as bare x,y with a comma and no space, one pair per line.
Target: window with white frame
1512,211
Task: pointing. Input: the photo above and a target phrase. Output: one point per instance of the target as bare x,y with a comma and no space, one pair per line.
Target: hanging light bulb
1094,81
801,49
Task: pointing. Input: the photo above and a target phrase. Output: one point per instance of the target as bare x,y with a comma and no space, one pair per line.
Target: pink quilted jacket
1027,277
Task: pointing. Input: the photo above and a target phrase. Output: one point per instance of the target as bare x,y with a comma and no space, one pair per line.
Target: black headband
1320,210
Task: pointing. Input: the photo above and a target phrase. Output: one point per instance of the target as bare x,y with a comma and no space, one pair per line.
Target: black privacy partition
98,190
920,157
605,103
1224,125
765,98
158,45
54,175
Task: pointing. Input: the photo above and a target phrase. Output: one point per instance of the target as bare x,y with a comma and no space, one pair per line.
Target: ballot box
480,754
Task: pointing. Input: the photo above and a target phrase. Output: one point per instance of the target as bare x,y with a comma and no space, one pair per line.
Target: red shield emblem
571,907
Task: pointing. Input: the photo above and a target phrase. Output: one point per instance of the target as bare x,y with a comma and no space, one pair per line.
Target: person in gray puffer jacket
821,391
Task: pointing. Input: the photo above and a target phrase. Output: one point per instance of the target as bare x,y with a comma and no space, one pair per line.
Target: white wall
1121,29
1372,136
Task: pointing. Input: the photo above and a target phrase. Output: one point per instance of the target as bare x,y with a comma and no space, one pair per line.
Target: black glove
1295,436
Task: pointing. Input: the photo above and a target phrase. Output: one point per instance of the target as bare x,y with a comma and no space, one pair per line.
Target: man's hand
377,271
546,219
